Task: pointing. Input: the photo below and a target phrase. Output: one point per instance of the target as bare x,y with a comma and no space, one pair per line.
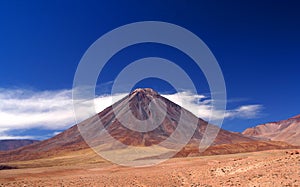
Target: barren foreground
266,168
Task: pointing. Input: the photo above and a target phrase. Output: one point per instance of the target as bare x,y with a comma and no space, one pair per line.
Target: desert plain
264,168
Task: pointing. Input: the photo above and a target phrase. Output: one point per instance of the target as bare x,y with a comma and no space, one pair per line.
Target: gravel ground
266,168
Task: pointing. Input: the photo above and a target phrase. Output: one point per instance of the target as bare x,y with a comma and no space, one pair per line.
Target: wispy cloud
56,133
5,136
10,137
246,112
25,109
200,105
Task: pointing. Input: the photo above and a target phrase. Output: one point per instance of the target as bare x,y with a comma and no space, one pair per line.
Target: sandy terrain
266,168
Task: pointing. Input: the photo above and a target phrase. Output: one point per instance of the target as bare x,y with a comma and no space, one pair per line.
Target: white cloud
200,106
246,111
8,137
24,109
56,133
5,136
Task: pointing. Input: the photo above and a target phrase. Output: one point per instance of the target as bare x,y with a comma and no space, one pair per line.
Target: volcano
144,105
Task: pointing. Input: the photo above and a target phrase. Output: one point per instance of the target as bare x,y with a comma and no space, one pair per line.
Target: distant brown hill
14,144
285,130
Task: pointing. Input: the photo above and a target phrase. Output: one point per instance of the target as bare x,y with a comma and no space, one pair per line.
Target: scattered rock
4,167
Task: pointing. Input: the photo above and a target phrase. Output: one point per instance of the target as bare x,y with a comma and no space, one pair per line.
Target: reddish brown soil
285,130
267,168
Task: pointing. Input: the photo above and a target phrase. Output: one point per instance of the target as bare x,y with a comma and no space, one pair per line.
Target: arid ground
265,168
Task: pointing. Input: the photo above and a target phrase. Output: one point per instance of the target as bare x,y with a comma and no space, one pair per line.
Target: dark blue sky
257,45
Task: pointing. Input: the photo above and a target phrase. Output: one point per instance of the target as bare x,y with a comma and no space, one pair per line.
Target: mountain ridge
284,130
11,144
